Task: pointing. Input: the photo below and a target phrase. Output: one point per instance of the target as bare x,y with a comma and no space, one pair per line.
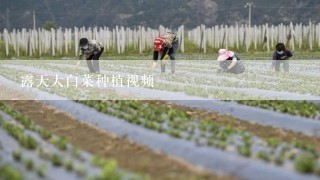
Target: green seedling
69,165
305,164
44,154
44,133
80,170
16,155
7,172
29,164
109,171
263,155
317,171
56,160
244,150
291,155
42,171
279,160
97,161
272,142
28,142
62,144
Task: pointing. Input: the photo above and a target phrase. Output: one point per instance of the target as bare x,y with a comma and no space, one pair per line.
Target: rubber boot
90,66
96,66
163,67
173,66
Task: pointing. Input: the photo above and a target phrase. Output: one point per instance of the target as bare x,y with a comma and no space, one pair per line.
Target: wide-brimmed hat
224,54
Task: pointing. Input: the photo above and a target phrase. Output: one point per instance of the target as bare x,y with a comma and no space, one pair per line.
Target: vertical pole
249,6
8,19
34,19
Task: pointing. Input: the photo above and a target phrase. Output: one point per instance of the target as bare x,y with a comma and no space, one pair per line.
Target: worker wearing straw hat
165,45
92,51
229,62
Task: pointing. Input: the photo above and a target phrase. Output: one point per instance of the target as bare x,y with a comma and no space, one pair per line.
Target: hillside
153,12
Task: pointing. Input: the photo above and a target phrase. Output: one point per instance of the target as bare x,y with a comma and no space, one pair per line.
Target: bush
48,25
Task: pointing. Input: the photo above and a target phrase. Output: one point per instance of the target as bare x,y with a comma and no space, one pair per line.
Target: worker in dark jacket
281,56
229,62
165,45
91,50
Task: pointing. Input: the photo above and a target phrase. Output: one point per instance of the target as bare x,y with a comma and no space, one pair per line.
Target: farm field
130,122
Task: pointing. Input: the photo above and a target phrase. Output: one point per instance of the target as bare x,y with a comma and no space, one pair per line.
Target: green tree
48,25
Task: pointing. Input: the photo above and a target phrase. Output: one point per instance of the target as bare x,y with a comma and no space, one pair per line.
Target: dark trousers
171,53
93,62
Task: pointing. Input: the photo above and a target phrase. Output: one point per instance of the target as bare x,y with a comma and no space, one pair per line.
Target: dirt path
130,156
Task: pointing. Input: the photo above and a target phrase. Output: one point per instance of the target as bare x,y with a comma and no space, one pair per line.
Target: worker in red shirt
165,45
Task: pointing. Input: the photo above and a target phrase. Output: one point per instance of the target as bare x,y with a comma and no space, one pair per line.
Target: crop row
107,168
206,132
302,108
